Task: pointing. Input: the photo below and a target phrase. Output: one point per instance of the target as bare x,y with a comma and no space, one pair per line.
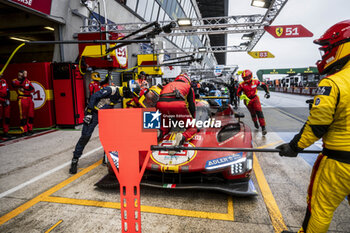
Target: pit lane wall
297,90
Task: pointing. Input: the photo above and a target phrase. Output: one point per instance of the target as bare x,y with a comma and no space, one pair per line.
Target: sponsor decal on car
223,161
179,158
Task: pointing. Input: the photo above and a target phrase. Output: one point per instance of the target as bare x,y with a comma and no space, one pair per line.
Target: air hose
8,61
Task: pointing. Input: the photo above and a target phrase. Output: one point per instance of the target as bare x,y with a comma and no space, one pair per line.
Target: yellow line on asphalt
229,216
72,201
270,202
54,226
45,194
270,144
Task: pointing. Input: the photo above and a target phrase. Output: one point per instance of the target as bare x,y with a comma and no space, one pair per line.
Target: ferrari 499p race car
223,171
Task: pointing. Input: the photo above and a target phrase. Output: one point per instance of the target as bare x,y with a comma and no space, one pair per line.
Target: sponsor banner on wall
43,6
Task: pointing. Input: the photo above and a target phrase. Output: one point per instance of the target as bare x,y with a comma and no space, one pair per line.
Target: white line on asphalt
45,174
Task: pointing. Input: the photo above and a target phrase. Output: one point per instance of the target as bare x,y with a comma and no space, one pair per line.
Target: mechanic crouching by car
178,101
251,99
329,119
106,98
147,98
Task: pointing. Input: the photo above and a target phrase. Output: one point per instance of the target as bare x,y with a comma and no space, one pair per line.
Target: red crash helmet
335,46
183,77
247,75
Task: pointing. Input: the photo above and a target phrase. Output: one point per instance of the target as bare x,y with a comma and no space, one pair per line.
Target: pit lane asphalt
38,195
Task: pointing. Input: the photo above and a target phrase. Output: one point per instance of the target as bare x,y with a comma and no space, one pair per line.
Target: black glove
267,95
87,118
286,150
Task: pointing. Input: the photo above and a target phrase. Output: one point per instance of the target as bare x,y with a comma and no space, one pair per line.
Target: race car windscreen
202,113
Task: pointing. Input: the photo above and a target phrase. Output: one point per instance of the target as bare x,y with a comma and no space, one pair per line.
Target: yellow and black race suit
330,119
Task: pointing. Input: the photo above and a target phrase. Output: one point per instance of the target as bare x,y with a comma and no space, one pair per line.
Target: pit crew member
249,88
329,119
4,107
94,85
25,102
147,98
106,98
177,99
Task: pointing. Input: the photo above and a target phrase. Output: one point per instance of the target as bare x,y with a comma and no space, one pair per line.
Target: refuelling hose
8,61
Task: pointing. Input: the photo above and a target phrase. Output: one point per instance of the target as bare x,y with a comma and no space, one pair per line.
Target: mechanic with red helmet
177,99
4,107
329,119
249,88
25,102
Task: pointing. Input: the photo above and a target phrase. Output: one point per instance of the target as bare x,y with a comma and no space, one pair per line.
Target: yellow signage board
261,54
148,63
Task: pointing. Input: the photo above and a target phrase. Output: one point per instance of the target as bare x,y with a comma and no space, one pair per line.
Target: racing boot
179,141
264,132
74,166
256,124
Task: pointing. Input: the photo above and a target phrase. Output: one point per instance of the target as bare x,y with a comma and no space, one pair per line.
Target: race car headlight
242,165
238,167
115,157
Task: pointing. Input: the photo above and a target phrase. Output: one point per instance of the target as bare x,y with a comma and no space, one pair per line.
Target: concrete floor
37,194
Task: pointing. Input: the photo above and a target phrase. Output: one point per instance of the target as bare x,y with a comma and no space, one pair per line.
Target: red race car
224,171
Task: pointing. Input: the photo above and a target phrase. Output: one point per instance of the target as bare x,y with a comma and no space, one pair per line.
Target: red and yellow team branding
172,162
279,31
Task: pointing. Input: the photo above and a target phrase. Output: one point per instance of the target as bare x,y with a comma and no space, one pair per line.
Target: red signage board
43,6
288,31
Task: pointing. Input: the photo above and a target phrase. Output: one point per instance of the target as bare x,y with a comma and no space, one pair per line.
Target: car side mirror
239,115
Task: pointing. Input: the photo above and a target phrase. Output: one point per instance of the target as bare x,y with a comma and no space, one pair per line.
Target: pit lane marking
54,226
46,197
270,202
45,194
229,216
44,174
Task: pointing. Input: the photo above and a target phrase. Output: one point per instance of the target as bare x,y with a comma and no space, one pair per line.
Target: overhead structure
212,49
250,26
208,9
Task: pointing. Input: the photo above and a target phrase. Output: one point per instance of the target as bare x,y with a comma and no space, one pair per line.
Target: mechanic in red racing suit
177,101
249,88
94,85
329,119
4,106
25,102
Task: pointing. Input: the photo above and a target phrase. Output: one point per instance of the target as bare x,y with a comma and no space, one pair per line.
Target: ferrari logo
279,31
